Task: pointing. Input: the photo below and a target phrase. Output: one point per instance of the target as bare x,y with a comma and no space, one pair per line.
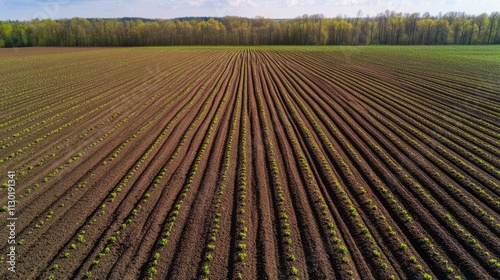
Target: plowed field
251,163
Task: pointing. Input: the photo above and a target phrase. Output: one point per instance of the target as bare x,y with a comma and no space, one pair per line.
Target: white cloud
346,2
196,3
242,3
29,9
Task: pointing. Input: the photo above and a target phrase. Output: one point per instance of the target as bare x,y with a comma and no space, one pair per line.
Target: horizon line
440,14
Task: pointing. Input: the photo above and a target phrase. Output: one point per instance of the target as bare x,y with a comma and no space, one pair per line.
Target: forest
388,28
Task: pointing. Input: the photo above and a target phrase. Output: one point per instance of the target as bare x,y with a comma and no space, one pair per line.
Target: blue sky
29,9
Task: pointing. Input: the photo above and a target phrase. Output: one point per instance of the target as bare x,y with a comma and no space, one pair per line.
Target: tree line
389,28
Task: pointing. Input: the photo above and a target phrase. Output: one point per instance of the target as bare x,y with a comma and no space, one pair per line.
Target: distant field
252,163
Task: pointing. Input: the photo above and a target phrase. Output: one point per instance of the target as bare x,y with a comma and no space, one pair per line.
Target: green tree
386,28
482,22
19,36
494,20
5,34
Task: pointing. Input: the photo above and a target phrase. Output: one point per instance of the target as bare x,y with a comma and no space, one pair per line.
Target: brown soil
247,164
